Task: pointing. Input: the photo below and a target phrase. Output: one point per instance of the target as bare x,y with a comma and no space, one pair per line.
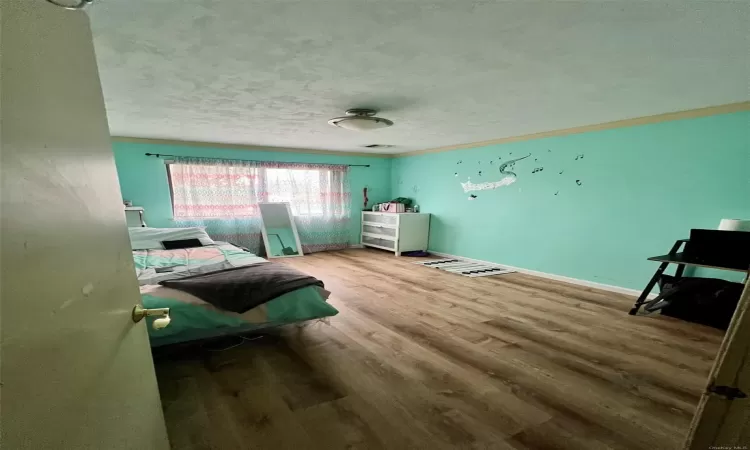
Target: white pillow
144,238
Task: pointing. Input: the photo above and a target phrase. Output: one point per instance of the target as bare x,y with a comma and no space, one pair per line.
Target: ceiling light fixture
360,119
72,4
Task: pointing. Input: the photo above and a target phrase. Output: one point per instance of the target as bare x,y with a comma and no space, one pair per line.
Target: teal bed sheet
194,319
192,322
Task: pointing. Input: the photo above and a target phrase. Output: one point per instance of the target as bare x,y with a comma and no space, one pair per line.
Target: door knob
139,313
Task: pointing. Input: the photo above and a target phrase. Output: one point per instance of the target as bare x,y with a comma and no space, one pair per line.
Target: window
282,187
224,189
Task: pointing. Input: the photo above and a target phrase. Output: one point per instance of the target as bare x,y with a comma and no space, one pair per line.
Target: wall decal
472,197
508,178
364,194
469,186
508,175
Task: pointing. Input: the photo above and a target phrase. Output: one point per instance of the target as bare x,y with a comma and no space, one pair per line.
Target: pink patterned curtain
214,188
223,195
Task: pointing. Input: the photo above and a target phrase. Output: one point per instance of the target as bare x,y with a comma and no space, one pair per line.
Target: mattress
192,318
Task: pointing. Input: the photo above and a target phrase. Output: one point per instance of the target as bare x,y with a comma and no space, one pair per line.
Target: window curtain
223,196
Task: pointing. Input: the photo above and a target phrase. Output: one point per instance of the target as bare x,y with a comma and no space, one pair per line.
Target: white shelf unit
395,232
134,216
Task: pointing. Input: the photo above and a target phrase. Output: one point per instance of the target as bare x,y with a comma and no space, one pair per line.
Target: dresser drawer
380,218
380,243
379,230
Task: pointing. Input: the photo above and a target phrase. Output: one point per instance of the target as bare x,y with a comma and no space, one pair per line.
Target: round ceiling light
360,119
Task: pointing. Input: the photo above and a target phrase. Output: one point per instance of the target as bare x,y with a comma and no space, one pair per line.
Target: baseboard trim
551,276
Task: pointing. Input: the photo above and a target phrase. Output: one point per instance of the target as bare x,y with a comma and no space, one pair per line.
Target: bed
194,318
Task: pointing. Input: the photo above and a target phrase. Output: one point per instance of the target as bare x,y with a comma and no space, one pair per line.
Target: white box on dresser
396,232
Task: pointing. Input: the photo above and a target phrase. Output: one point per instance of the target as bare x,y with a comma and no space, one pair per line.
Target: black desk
678,258
673,257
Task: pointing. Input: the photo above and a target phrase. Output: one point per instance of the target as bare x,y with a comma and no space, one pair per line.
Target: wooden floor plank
473,394
340,424
421,358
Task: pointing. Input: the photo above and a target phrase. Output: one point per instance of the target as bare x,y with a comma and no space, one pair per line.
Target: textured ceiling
271,73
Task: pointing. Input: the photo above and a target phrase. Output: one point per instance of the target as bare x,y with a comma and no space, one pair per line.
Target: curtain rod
159,155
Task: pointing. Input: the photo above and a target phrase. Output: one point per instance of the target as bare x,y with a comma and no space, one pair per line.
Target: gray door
76,371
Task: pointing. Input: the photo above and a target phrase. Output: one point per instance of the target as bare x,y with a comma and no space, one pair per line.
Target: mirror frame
265,234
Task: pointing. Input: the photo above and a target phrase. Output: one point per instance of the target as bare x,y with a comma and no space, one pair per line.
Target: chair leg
680,270
649,287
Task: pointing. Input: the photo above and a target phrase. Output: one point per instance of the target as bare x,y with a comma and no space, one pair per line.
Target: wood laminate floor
423,359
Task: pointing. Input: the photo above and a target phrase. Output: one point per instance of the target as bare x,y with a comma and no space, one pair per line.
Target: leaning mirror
279,231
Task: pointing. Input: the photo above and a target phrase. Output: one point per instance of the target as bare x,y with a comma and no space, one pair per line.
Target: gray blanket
243,288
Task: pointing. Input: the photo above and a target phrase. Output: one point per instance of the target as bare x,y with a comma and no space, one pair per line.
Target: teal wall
143,179
641,188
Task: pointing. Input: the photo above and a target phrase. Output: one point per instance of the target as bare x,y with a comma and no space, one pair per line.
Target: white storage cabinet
396,232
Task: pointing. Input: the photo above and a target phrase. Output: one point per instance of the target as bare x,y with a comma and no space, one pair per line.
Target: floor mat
465,268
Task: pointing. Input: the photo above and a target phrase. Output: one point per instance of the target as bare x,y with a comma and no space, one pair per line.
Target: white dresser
397,232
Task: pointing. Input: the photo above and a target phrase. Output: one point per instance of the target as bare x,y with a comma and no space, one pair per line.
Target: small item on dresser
392,207
397,205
